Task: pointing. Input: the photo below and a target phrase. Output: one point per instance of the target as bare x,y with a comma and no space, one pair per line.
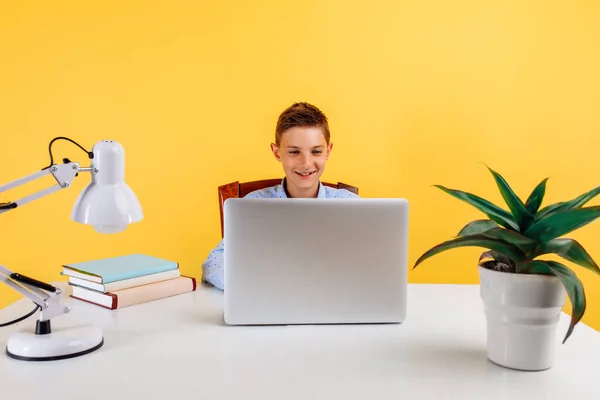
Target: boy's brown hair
301,114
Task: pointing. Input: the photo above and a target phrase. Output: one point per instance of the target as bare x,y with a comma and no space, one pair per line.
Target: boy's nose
305,160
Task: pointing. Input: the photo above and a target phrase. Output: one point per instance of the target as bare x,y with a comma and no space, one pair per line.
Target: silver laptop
315,261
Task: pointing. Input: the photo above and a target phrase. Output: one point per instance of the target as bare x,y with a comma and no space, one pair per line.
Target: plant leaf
567,205
478,240
570,250
536,197
522,216
479,226
546,211
491,229
524,243
572,285
498,257
561,223
493,212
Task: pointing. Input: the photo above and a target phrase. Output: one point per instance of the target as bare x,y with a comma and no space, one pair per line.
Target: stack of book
124,281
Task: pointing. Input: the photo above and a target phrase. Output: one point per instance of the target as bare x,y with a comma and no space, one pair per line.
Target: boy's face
303,152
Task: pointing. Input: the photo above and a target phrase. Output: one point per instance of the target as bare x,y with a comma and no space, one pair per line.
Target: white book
125,283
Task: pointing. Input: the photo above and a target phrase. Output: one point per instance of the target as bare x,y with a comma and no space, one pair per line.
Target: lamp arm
46,296
63,173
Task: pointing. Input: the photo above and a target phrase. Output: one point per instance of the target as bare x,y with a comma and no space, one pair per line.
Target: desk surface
179,348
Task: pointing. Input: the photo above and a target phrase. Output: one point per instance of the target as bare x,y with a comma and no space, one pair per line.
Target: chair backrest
237,189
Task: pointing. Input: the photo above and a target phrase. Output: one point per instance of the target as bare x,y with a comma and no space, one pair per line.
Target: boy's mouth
305,174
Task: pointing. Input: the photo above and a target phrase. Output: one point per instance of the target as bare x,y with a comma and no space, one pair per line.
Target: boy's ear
275,150
329,147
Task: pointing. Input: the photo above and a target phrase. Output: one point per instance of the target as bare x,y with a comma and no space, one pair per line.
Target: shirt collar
281,191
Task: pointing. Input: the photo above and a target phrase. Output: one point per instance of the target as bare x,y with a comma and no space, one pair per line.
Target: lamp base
58,345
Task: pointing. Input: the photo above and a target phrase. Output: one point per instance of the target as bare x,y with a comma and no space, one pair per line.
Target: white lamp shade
107,206
107,203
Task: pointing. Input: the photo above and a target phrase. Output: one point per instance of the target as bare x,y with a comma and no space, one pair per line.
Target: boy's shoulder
277,191
271,192
335,193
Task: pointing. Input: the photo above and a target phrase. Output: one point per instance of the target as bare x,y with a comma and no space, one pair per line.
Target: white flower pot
522,312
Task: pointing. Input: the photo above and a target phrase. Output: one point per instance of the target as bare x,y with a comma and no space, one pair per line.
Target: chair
237,189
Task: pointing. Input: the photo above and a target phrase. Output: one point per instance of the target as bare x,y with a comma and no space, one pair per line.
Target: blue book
115,269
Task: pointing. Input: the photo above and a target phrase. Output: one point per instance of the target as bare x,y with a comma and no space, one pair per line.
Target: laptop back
312,261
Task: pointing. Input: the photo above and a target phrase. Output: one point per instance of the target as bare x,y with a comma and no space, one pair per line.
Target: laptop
315,261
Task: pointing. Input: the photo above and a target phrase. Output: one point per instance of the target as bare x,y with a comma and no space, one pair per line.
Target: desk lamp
106,203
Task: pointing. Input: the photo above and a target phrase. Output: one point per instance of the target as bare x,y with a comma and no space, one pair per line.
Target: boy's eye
298,152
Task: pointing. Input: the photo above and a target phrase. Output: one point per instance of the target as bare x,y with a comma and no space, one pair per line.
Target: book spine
112,307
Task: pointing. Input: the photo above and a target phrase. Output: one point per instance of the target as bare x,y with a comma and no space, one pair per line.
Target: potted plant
522,294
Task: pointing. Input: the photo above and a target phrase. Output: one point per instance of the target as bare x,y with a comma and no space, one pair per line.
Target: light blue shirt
212,267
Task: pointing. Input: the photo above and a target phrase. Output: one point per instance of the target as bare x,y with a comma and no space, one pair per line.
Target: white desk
178,348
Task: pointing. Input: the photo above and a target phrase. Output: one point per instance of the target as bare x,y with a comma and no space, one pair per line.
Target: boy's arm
212,267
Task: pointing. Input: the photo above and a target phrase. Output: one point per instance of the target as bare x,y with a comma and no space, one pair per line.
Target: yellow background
417,92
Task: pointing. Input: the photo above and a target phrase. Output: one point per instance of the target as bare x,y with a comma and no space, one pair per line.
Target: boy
302,146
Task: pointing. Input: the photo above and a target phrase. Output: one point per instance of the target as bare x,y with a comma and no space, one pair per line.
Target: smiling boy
302,145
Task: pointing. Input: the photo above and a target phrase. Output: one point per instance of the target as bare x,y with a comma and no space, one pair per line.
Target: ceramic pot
522,312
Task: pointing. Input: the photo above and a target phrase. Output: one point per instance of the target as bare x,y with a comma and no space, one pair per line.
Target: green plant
517,237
